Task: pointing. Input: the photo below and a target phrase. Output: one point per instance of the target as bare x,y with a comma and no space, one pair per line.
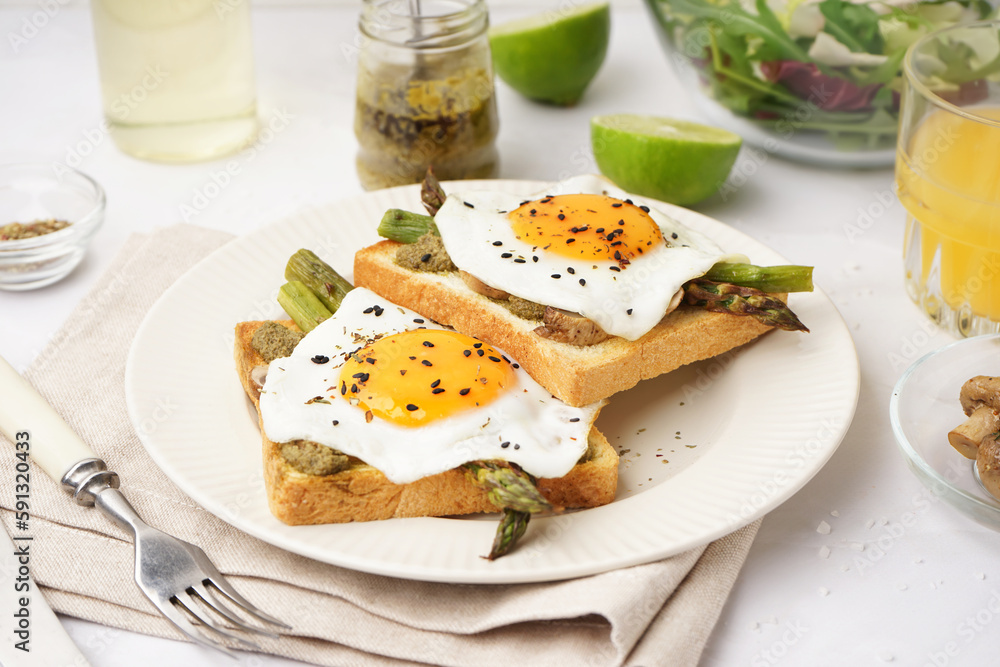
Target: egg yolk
593,227
416,377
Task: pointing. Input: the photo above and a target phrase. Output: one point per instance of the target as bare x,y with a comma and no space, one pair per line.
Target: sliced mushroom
573,328
477,285
980,398
988,465
983,422
980,390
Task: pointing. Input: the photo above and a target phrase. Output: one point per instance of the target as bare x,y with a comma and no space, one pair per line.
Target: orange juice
948,179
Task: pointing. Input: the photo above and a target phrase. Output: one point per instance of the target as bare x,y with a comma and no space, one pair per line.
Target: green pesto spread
313,458
275,341
425,254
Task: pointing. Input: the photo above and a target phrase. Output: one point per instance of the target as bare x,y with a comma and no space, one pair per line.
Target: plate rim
501,574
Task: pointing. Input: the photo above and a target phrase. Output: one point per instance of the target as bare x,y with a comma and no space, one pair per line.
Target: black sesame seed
480,352
673,235
616,243
575,419
367,311
468,204
498,243
426,362
467,353
618,255
517,446
477,345
378,311
370,360
360,376
570,240
582,281
507,255
402,372
505,445
570,270
427,343
520,260
435,383
438,390
335,422
463,392
494,359
354,388
413,358
411,407
426,258
599,230
621,222
556,276
629,311
614,268
505,358
628,201
616,205
532,211
343,389
418,320
534,258
515,365
320,359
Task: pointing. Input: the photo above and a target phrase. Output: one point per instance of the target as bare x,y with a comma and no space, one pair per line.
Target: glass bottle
425,92
177,76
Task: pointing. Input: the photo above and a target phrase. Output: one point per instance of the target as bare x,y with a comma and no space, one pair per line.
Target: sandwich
592,289
378,412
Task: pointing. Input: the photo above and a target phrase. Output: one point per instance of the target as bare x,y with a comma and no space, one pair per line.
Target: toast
576,375
362,493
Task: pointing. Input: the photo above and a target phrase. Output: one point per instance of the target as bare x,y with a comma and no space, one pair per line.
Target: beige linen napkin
655,614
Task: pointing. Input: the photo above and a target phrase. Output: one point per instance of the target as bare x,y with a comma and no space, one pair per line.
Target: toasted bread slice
362,493
577,375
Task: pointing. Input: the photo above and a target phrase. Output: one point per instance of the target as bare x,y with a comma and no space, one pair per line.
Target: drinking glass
177,77
948,176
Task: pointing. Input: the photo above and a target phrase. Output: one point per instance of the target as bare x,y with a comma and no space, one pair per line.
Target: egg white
627,303
549,443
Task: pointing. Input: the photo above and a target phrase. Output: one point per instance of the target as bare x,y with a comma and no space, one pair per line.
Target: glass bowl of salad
812,80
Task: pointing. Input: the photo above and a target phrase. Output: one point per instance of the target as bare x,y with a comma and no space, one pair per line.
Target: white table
907,579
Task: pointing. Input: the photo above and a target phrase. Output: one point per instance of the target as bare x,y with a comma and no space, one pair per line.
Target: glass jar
425,94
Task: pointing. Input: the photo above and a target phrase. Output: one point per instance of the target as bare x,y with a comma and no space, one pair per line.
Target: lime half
552,57
674,161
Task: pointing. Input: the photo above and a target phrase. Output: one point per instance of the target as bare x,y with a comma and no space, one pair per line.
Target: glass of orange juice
948,176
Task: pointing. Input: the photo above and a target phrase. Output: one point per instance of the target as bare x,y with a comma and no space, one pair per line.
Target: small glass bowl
924,407
35,191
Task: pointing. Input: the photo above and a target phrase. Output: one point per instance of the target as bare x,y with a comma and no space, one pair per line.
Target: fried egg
581,245
412,398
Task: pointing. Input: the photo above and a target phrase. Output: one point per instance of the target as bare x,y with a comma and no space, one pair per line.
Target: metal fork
176,576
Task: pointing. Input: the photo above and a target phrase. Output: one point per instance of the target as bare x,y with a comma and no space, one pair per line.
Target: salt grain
823,528
824,591
824,552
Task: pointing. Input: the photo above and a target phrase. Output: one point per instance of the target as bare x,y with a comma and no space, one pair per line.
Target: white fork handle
54,445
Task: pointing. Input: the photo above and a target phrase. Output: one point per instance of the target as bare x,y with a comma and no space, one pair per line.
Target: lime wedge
674,161
552,57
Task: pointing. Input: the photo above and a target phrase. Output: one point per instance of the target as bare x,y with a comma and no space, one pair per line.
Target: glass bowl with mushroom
945,415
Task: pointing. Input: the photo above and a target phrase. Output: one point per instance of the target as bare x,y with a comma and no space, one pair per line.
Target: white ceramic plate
705,449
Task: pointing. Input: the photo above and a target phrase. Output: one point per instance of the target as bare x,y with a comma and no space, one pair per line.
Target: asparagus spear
404,226
514,491
302,305
511,528
318,276
431,192
788,278
739,300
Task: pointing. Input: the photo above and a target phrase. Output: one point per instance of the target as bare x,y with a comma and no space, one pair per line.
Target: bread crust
362,493
577,375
